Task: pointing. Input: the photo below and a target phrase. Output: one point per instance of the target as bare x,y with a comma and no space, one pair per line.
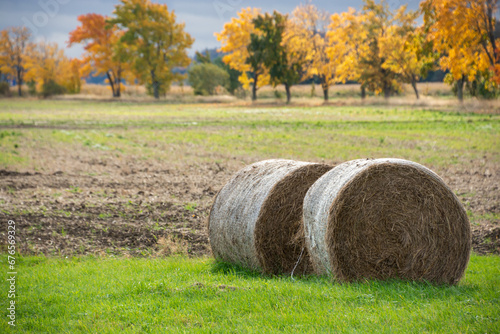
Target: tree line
142,42
373,46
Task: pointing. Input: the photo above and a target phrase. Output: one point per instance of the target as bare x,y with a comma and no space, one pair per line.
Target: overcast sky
52,20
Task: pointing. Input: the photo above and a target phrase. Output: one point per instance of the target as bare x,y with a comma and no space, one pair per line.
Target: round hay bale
256,218
386,218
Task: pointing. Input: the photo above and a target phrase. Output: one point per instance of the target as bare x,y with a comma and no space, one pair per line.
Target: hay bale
255,220
386,218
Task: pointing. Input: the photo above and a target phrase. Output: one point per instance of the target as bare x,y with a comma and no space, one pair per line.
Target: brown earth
98,204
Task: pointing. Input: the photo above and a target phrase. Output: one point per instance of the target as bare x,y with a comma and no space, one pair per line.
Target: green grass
177,295
200,132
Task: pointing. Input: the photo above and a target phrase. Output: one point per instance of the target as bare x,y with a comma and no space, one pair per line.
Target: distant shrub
233,84
205,78
31,87
483,89
4,88
52,88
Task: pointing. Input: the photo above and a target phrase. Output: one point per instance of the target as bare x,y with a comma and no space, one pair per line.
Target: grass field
178,295
103,192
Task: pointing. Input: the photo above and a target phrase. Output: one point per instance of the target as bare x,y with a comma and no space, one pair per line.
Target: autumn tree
72,78
463,33
378,21
104,53
155,42
14,44
370,47
405,49
347,46
235,39
51,71
306,35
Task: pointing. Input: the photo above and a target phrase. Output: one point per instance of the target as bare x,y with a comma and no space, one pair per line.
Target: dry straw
255,220
386,218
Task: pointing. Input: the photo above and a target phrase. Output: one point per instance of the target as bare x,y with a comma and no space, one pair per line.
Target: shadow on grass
380,290
221,267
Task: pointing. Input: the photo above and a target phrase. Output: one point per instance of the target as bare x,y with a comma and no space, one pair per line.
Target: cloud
54,19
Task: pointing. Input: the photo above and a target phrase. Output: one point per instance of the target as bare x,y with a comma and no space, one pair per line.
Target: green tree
156,43
235,41
283,64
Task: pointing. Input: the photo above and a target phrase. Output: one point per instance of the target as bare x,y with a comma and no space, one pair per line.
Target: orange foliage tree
104,53
463,32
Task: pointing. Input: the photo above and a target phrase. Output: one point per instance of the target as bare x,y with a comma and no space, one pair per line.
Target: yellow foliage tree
371,47
155,43
235,39
463,32
347,46
404,49
47,65
306,36
14,45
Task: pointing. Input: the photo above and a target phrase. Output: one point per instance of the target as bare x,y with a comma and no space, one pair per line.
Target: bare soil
98,204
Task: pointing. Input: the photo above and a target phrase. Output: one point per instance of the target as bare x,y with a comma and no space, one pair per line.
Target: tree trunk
118,83
363,92
156,85
460,89
254,88
156,91
414,85
118,88
112,83
288,95
387,90
324,86
19,82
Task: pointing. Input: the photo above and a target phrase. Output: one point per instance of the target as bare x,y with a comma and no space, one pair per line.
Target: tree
378,21
235,39
306,34
51,71
462,32
104,53
283,61
14,44
405,49
72,79
347,46
206,77
370,47
155,42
